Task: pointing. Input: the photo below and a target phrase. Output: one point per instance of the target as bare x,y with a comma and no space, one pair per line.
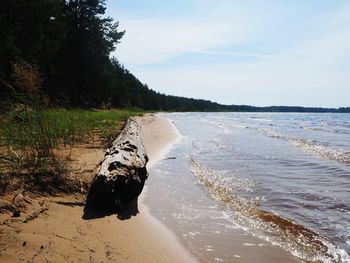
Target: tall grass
32,138
35,139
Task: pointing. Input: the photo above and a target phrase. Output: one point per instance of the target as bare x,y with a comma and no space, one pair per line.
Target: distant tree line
246,108
69,42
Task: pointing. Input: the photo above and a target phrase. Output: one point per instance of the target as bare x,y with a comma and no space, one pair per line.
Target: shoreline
156,143
197,220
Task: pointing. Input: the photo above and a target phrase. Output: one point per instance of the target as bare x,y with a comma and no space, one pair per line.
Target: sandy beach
56,229
52,229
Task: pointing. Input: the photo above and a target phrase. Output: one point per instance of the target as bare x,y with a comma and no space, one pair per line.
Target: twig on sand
35,214
170,158
71,204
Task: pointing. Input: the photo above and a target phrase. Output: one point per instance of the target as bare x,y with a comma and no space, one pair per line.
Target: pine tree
91,38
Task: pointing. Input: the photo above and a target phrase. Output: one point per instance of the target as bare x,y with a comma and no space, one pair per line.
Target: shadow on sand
123,213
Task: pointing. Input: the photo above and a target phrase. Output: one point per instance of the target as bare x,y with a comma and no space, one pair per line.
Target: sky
252,52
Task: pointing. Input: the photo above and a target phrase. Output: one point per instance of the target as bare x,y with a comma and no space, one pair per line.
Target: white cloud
211,26
316,72
312,68
154,41
233,53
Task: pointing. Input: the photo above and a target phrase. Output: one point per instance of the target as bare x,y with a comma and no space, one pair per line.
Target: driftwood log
122,173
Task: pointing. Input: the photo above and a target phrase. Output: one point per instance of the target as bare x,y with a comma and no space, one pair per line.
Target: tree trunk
122,173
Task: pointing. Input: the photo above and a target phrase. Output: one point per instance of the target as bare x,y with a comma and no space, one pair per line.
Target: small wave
239,126
324,129
322,150
309,128
226,128
260,119
224,187
217,143
312,147
273,134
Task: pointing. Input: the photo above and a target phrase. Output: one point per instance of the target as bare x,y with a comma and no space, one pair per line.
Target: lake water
279,179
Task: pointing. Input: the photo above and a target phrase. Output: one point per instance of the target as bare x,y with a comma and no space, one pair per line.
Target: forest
66,46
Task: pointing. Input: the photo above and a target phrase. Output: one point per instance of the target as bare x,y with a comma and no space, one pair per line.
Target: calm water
284,178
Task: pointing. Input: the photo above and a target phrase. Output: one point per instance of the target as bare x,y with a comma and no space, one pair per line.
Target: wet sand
158,136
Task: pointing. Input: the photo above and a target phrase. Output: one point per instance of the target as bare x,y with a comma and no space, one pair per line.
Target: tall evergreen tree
91,38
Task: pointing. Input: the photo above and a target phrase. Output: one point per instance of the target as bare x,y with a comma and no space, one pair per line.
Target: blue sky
270,52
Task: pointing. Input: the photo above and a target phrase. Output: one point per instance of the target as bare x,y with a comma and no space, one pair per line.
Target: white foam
248,244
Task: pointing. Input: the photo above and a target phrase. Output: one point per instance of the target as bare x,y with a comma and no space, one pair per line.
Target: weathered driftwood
122,173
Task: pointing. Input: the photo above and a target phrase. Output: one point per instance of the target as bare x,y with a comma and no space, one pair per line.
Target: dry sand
52,229
158,136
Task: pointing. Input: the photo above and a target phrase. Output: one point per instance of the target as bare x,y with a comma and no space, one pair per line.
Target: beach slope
58,231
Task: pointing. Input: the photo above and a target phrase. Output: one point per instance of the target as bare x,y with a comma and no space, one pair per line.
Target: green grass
32,138
71,126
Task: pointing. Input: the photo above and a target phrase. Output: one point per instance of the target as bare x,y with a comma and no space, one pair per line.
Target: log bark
122,173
